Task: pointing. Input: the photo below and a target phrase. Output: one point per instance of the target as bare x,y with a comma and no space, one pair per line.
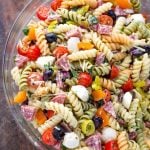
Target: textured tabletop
11,136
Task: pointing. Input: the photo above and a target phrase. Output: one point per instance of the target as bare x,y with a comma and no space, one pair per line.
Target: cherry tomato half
55,4
22,48
34,79
106,20
48,137
128,86
111,145
33,52
59,51
84,79
42,12
114,72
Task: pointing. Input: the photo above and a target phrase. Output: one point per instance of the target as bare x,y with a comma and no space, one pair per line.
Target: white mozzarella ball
138,18
72,44
108,134
71,140
127,98
45,60
81,92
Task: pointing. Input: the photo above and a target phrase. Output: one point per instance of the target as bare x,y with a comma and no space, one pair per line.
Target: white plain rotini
119,25
52,87
113,123
81,55
122,78
76,104
42,42
125,63
96,39
120,110
52,122
62,28
102,9
61,109
133,145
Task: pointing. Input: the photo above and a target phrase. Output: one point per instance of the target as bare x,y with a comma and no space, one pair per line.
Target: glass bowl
10,88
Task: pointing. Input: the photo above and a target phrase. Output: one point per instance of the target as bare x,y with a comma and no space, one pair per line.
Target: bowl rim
24,130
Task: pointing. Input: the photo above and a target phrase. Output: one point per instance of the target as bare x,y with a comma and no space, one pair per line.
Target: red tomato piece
111,145
114,72
108,95
85,79
34,79
33,52
55,4
128,86
50,113
48,137
59,51
42,12
106,20
21,48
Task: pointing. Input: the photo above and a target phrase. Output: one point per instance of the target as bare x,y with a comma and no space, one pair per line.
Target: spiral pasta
108,84
41,42
122,78
125,63
62,28
144,106
81,55
133,145
89,114
113,123
136,4
73,16
71,82
61,109
52,122
76,104
101,46
122,141
143,32
132,110
118,28
102,9
53,87
101,70
74,3
131,28
120,110
113,46
141,141
119,56
118,38
86,106
145,67
137,66
79,133
23,78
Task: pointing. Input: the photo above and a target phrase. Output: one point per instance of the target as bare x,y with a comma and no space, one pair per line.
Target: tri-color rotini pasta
83,72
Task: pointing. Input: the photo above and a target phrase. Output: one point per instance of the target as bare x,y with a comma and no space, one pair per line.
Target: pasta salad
83,73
